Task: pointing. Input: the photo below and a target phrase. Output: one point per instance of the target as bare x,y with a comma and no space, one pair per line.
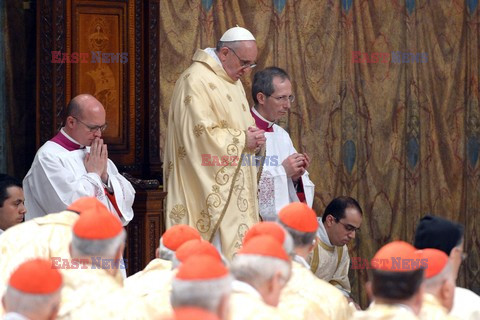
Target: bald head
85,116
79,103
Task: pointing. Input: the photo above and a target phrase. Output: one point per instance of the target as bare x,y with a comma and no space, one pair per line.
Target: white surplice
58,177
276,190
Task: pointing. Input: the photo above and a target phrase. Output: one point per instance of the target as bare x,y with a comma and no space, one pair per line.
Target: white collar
301,261
213,53
14,316
322,232
70,138
270,123
243,287
404,306
399,305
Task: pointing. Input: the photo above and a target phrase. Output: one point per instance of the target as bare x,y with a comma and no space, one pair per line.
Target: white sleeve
51,187
123,191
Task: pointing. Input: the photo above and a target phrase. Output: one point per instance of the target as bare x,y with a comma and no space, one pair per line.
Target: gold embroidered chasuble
433,310
46,237
304,289
248,305
385,312
209,186
153,286
91,293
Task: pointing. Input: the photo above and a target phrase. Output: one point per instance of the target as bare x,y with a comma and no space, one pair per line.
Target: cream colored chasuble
209,186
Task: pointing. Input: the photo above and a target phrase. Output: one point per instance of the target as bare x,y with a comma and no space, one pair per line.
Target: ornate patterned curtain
387,102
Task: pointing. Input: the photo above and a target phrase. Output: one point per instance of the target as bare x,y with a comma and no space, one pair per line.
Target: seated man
159,270
46,237
93,285
33,291
339,224
395,285
442,234
439,283
261,269
12,207
202,281
284,176
75,164
301,223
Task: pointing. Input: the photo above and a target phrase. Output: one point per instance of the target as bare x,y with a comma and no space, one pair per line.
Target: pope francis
209,169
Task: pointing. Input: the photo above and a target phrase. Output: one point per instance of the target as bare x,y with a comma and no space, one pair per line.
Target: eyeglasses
290,98
348,227
463,255
92,129
245,64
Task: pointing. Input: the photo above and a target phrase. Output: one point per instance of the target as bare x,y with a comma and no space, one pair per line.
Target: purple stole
65,142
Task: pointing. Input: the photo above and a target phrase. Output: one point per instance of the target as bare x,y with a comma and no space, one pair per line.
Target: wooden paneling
103,34
145,230
125,78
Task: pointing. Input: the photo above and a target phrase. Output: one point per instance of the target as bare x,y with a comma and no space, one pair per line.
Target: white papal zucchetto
237,34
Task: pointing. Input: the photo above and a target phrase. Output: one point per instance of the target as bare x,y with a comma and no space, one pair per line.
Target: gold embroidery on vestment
181,153
177,213
198,130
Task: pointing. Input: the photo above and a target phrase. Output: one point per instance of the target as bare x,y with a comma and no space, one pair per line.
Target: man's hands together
255,138
96,161
295,165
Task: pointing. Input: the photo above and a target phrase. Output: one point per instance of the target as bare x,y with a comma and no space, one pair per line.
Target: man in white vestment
75,164
210,131
284,178
339,224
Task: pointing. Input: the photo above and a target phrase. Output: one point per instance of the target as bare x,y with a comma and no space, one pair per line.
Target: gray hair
256,269
104,248
165,253
433,284
205,294
27,303
300,239
231,44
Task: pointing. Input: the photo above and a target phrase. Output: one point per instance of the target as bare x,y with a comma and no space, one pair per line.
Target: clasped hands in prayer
255,138
295,165
96,161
